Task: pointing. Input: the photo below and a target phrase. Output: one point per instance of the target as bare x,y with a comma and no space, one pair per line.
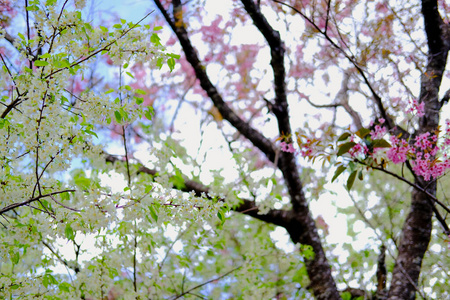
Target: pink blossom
213,32
416,108
423,143
306,152
285,147
381,7
429,168
425,164
399,151
378,132
358,149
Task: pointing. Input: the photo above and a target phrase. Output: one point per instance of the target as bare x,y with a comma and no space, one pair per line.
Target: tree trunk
416,231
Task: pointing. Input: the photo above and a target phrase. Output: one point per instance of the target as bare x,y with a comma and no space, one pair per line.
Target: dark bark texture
299,224
416,232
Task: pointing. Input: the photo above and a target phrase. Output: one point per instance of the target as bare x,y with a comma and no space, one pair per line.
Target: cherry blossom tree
390,62
101,145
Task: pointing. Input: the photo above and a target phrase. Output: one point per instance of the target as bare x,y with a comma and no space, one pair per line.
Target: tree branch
416,232
16,205
177,25
278,217
205,283
376,98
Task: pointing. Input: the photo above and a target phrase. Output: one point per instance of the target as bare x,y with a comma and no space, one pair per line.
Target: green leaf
344,148
346,296
307,251
154,38
63,63
32,8
153,213
344,136
82,182
15,257
177,180
173,55
40,63
338,172
65,196
139,100
124,114
90,132
352,166
109,91
351,180
360,175
171,64
3,122
68,231
129,74
148,188
159,62
65,287
118,116
221,216
363,132
21,36
148,113
157,28
49,279
381,144
113,273
300,275
140,92
50,2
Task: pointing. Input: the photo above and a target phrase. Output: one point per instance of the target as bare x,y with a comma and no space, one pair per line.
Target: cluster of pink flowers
425,163
427,143
424,166
306,148
358,150
306,152
309,147
379,131
399,151
421,152
447,133
416,108
285,147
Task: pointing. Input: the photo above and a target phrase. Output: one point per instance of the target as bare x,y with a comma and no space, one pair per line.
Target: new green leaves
359,147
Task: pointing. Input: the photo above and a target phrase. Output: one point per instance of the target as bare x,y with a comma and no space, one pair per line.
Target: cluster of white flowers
42,132
46,126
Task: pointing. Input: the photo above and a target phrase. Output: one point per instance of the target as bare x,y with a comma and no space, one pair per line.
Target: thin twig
351,59
430,196
171,246
205,283
16,205
66,207
100,50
